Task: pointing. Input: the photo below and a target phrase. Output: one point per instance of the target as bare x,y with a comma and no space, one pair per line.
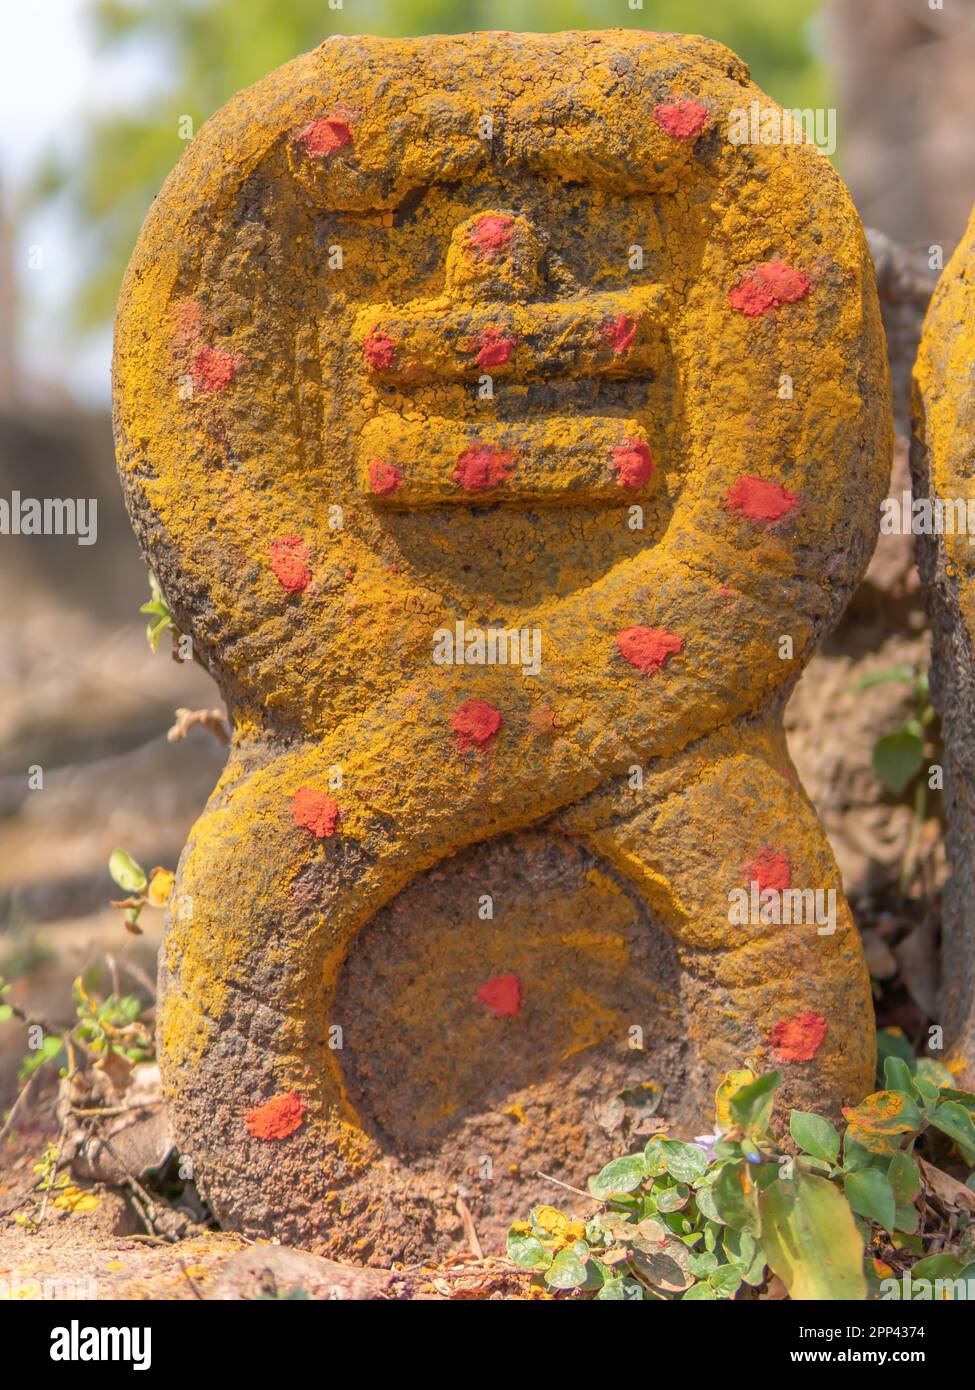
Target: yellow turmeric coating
498,330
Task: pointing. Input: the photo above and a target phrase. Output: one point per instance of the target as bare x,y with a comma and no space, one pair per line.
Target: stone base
462,1097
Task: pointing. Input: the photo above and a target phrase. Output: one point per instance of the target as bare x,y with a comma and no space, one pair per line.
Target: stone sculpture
505,436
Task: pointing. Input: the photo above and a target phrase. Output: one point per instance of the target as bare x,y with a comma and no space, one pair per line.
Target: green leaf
527,1252
898,758
726,1281
567,1270
906,1220
810,1239
955,1121
620,1290
619,1175
751,1106
855,1156
6,1013
890,673
935,1072
944,1266
596,1272
904,1178
685,1162
49,1049
670,1199
735,1198
817,1165
928,1092
160,613
965,1098
698,1293
653,1157
154,632
870,1195
898,1076
814,1135
704,1197
891,1042
745,1253
702,1265
126,872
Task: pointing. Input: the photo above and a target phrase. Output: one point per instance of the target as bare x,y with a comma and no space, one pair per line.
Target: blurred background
98,98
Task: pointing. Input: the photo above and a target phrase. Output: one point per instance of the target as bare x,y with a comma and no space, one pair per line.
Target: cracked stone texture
321,482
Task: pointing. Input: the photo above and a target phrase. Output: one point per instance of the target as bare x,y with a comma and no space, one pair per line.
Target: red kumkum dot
769,869
495,349
289,556
647,648
323,136
213,368
769,286
315,811
483,466
619,334
490,234
633,463
384,477
798,1039
379,350
683,119
759,500
475,722
502,995
278,1118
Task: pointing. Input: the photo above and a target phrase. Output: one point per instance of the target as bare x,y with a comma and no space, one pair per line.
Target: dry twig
187,719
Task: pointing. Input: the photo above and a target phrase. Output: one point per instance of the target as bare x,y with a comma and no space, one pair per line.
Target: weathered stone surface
941,465
323,484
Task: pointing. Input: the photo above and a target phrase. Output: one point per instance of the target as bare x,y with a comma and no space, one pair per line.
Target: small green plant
49,1050
160,614
48,1180
153,888
711,1220
900,757
111,1025
46,1169
104,1029
50,1041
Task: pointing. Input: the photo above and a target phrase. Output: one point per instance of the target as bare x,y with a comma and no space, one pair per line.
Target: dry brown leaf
946,1188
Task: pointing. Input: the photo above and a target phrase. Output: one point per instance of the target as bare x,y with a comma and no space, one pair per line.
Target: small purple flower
708,1141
